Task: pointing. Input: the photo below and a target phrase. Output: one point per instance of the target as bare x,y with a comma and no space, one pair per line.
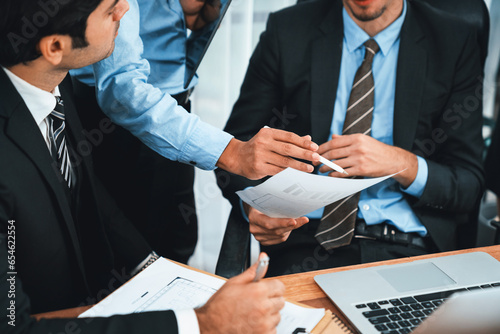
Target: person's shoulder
449,18
308,12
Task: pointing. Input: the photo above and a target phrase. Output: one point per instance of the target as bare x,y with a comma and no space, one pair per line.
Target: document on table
293,194
165,285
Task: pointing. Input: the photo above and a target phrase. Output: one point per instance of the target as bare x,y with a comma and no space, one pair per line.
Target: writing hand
243,306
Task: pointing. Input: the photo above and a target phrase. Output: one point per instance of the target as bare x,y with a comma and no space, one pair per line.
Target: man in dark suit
63,242
407,77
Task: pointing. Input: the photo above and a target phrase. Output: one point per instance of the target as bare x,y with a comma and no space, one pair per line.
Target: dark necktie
58,145
336,228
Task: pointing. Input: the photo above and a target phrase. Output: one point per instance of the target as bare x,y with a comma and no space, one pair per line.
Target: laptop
465,313
396,299
194,63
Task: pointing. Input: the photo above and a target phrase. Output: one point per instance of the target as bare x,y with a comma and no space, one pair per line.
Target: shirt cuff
187,322
205,156
417,187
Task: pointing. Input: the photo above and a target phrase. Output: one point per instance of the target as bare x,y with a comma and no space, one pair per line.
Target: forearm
124,94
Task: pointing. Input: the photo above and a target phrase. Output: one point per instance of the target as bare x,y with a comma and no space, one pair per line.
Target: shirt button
366,207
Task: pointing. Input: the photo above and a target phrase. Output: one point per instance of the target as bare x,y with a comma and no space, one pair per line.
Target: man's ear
53,48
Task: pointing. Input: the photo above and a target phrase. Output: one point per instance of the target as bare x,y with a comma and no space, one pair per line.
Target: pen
327,162
261,268
332,165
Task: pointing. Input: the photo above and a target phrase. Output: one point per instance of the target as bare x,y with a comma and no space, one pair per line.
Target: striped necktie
336,228
58,145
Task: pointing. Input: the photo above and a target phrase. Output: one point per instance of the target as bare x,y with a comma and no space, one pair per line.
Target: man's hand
361,155
243,306
271,231
269,152
199,13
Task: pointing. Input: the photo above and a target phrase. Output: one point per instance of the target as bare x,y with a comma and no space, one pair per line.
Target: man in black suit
421,69
63,242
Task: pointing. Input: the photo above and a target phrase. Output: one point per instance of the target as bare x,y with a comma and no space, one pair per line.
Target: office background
221,74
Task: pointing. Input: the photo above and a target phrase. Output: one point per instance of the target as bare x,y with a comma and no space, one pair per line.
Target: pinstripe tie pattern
337,224
58,147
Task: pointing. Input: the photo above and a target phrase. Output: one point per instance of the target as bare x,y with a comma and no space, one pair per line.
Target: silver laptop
465,313
396,299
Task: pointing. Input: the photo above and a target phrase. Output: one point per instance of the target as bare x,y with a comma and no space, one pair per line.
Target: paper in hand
293,194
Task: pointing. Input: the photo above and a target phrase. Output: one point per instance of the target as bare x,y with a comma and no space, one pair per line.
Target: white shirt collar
39,102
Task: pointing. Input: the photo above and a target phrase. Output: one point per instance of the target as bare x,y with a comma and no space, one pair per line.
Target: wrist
204,321
409,168
228,159
246,208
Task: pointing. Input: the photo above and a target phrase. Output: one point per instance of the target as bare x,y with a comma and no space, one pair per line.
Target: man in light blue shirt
141,88
306,62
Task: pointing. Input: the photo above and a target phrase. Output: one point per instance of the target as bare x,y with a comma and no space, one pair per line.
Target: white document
165,285
293,194
294,316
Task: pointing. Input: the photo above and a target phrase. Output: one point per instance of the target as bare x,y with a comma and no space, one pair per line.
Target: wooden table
301,288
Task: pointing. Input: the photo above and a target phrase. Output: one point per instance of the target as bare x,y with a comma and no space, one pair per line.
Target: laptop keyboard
403,315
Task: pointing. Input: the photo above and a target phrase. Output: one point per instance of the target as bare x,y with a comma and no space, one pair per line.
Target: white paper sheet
162,286
294,316
167,286
293,194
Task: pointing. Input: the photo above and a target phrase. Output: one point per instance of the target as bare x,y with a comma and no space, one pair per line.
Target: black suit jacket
292,79
70,249
492,163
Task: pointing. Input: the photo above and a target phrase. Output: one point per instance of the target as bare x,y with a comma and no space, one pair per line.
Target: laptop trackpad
415,277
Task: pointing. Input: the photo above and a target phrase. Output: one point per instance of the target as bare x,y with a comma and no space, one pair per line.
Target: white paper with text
293,194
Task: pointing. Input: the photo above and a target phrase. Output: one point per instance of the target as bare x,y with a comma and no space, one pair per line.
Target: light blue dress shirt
384,202
135,84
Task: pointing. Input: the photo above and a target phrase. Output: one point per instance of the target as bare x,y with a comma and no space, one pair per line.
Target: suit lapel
410,80
325,74
24,132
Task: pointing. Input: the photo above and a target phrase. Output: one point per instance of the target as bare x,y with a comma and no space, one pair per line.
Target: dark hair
23,23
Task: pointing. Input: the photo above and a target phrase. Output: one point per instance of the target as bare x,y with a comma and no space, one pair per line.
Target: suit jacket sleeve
492,164
456,178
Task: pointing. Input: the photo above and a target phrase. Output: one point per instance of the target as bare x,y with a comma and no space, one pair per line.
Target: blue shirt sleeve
417,187
126,97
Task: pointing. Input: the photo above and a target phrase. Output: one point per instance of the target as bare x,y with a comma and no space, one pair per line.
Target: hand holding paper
271,231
